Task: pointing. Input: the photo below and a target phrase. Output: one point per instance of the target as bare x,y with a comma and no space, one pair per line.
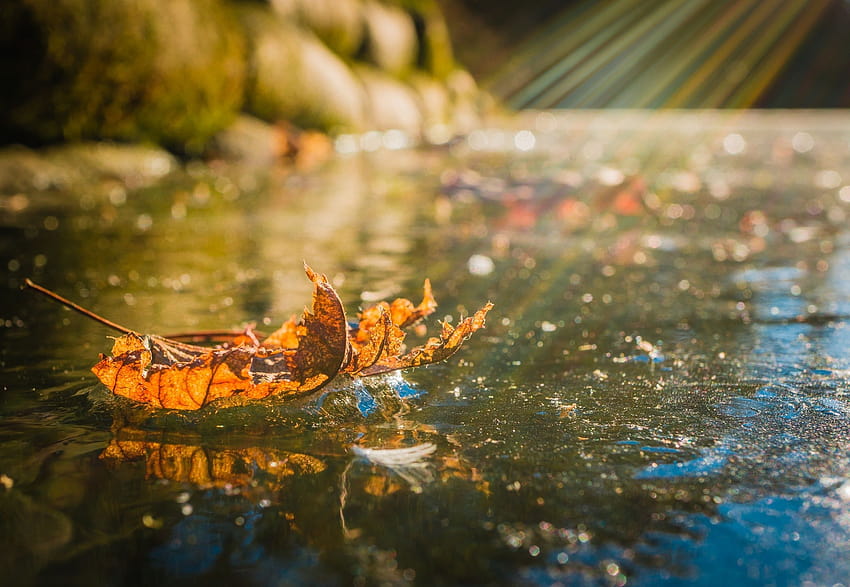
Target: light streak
657,54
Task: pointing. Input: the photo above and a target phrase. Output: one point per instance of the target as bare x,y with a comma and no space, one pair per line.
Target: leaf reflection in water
209,467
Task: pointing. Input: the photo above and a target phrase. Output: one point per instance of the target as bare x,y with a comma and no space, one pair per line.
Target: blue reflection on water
700,467
366,404
197,543
768,541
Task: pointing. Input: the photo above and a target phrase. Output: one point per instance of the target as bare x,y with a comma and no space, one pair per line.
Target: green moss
435,46
169,72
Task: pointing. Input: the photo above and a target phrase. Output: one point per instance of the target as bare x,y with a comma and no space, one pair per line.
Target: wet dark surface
660,395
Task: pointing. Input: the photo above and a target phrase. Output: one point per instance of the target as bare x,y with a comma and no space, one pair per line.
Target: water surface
660,395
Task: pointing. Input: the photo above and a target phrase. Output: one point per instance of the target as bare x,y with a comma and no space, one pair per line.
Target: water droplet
734,144
562,558
144,222
395,139
117,196
346,144
524,140
480,265
610,176
149,521
827,179
370,141
802,142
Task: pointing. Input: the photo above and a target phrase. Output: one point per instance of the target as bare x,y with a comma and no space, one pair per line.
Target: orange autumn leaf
372,341
404,313
378,333
299,358
435,349
169,374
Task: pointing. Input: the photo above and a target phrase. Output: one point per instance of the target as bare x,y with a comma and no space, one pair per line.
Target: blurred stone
338,23
435,46
285,8
171,72
393,105
23,170
465,100
133,165
296,78
434,100
249,140
177,74
390,42
75,165
254,142
462,84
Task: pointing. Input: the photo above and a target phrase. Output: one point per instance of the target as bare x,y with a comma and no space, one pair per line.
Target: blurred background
181,74
657,54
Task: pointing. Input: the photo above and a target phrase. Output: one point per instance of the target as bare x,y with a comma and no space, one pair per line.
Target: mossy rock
434,47
81,167
133,165
434,98
390,41
435,54
295,77
468,103
248,140
168,72
392,104
24,170
338,23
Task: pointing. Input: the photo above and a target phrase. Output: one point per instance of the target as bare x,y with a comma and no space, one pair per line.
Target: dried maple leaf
372,341
298,358
169,374
435,349
378,333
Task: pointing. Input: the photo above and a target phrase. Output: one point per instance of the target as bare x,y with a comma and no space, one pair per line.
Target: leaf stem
209,335
77,308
